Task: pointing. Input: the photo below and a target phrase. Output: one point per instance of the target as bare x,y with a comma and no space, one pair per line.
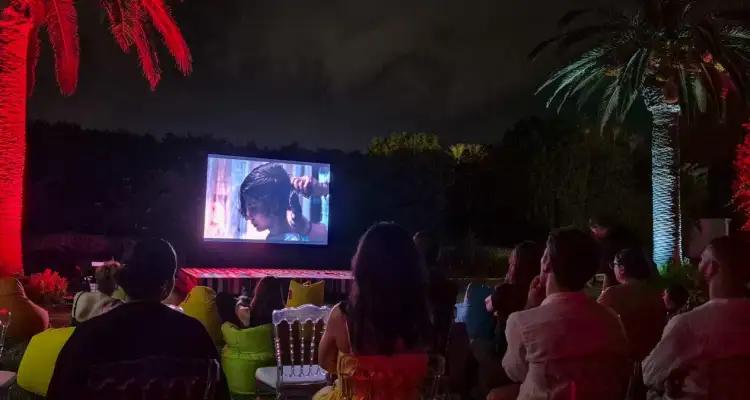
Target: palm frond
134,18
161,17
32,56
62,27
699,94
589,91
590,57
589,80
117,23
568,39
612,99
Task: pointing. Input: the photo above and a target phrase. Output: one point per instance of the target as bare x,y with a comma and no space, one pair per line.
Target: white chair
297,372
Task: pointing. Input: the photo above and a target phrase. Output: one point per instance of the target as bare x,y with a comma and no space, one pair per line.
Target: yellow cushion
305,293
38,362
120,294
200,304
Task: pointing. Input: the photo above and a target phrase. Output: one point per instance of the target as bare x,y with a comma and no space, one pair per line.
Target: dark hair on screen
389,304
268,296
269,186
147,269
635,263
574,257
528,259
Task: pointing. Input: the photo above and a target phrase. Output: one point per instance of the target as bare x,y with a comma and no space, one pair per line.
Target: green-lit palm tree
679,56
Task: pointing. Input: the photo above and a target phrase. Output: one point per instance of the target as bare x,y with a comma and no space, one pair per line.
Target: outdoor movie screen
271,201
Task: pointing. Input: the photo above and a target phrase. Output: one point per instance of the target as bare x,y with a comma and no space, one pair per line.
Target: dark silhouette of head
268,296
634,264
727,260
148,272
675,297
573,258
524,263
389,302
225,304
428,247
265,196
106,277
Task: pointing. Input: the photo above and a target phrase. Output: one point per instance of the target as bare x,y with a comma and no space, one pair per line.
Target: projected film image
260,200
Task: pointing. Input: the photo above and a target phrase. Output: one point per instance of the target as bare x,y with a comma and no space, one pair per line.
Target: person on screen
268,200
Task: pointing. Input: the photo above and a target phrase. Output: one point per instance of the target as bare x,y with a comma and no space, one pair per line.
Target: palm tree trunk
665,177
15,25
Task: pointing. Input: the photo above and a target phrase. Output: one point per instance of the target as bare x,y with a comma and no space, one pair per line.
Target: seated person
138,329
637,301
268,297
372,323
225,304
87,305
27,318
696,343
442,291
675,299
568,342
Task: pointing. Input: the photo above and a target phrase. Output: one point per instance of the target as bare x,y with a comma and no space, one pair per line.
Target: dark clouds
321,73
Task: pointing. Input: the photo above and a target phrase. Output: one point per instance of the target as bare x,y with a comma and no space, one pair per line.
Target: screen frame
263,242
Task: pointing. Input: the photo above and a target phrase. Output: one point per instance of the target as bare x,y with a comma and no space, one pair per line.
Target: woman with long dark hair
387,311
268,297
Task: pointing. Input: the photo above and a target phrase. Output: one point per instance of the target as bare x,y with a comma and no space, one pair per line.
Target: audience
26,318
705,353
611,238
510,296
140,328
442,292
227,307
637,301
268,296
675,298
89,304
568,343
387,312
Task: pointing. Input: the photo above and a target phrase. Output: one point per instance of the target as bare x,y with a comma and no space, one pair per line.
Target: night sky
323,73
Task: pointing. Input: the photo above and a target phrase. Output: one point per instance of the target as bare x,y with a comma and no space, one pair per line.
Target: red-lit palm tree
20,22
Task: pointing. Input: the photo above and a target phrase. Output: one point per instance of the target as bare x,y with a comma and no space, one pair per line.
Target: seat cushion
245,351
292,376
305,293
38,362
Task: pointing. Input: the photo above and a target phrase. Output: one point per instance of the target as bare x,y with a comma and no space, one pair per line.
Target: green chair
245,351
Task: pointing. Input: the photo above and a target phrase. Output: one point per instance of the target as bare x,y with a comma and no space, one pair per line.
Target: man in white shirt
569,346
705,353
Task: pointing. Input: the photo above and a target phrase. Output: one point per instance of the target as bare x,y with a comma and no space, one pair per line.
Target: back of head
389,305
573,256
105,277
635,263
428,247
524,265
268,297
148,272
733,255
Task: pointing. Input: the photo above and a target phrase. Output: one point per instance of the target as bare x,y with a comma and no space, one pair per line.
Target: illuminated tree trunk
15,25
665,177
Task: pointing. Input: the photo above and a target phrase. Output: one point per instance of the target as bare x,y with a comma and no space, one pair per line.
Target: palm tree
20,21
680,57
